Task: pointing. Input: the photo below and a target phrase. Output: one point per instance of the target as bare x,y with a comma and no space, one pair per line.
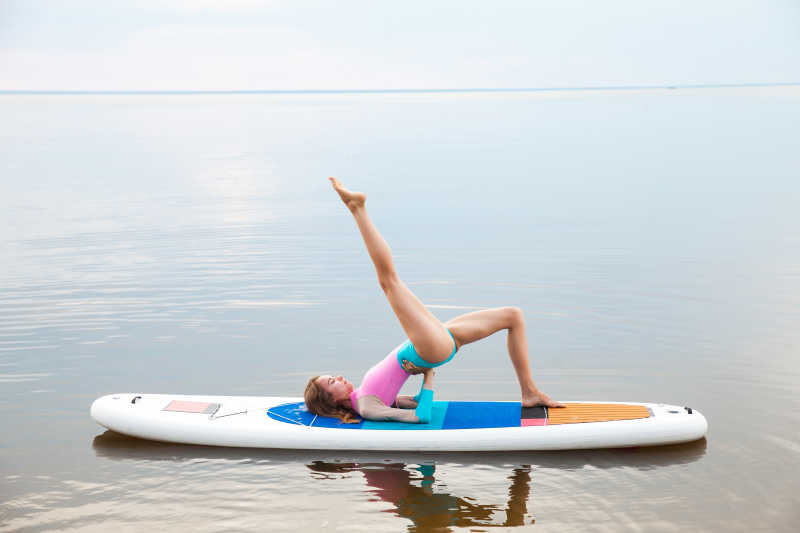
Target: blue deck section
471,415
445,415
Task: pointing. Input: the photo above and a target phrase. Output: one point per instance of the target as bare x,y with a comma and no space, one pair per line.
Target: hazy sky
294,44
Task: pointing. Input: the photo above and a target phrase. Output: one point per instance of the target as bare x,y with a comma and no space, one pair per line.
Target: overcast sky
340,44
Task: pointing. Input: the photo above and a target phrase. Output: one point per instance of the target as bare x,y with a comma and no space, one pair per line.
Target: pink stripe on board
534,421
187,407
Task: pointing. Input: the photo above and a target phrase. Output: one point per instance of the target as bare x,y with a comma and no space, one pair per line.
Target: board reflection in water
413,492
295,490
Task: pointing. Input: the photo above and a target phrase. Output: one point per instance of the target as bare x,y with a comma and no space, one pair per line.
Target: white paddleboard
274,422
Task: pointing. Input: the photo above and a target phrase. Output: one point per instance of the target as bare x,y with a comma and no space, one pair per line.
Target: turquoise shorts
409,353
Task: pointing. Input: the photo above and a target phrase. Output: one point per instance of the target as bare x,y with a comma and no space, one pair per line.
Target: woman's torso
384,380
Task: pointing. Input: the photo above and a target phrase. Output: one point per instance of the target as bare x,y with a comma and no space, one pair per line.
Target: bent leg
480,324
424,330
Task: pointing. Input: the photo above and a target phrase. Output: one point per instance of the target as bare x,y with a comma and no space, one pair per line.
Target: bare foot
353,200
539,398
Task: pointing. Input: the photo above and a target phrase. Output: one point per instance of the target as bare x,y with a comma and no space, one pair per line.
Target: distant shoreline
405,91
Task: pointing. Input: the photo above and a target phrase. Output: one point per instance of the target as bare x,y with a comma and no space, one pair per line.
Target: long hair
320,402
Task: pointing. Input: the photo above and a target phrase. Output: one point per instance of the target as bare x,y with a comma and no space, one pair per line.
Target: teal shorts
409,353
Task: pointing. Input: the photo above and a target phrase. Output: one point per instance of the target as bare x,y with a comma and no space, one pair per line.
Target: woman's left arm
425,397
423,401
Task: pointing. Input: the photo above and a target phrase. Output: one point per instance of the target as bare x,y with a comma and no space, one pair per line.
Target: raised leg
480,324
426,332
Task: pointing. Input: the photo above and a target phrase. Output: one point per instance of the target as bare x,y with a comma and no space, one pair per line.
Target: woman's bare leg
480,324
425,331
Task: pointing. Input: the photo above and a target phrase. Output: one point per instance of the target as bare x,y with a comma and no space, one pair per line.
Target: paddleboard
277,422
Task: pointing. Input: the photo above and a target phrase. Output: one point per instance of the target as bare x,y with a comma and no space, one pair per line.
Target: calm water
191,244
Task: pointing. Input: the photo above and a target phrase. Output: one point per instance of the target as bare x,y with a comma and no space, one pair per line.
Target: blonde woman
430,344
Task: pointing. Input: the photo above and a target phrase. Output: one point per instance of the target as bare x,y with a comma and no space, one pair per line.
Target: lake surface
192,244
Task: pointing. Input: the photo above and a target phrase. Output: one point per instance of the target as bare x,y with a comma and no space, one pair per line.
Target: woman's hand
413,369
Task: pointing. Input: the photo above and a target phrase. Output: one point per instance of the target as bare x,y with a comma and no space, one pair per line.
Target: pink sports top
383,380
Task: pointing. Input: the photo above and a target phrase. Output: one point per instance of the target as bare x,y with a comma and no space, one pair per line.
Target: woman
430,344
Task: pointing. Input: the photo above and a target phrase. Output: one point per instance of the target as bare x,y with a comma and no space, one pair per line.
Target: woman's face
338,387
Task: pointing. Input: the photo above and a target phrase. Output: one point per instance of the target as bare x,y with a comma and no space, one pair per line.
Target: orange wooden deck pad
576,413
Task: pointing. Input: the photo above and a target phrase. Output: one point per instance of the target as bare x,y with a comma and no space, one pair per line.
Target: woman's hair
320,402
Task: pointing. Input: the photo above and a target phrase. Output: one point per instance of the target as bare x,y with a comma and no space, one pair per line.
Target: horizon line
395,91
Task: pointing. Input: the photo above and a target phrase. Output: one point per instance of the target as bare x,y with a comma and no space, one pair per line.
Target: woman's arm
425,397
372,408
411,402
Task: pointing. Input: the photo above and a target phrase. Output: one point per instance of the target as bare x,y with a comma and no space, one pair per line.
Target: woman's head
330,396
